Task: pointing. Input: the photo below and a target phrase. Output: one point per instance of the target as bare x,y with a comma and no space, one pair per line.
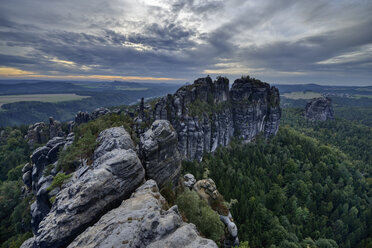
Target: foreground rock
93,190
319,109
37,180
158,148
207,115
141,221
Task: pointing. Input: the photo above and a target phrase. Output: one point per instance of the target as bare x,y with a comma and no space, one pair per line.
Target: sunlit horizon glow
278,41
14,73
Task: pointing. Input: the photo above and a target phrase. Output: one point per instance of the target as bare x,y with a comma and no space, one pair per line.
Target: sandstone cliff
319,109
207,114
94,207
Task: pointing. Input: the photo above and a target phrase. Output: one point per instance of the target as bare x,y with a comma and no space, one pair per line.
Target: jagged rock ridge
116,172
207,114
201,117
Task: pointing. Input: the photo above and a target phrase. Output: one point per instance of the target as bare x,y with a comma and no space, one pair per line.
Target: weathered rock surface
84,117
37,133
319,109
35,180
55,128
160,157
189,180
249,108
113,138
141,221
92,192
255,108
29,243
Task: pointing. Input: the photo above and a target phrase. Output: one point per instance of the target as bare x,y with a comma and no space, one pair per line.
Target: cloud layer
280,41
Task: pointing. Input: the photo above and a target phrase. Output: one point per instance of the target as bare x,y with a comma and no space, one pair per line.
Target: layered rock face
141,221
37,181
207,114
37,134
160,157
116,172
40,133
319,109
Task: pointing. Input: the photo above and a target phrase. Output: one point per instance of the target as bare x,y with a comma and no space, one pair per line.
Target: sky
277,41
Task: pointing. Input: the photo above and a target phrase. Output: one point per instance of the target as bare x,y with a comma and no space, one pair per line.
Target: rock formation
207,190
160,157
55,128
86,210
37,181
142,221
84,117
93,191
207,115
37,134
319,109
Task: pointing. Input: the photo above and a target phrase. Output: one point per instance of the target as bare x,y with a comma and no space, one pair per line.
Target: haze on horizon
278,41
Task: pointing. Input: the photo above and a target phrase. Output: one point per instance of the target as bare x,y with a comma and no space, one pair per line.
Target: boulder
27,167
159,153
189,180
27,179
113,176
141,221
113,138
319,109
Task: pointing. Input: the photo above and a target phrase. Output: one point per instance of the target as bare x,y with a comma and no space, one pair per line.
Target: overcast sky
278,41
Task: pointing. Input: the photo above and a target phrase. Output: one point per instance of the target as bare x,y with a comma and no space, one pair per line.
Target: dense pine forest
15,218
310,186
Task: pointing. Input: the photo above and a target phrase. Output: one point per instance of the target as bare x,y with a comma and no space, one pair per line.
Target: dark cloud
280,40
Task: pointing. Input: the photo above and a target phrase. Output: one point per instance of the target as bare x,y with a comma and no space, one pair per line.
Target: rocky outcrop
37,133
189,180
37,181
55,128
255,108
319,109
207,115
84,117
93,191
207,190
158,150
142,221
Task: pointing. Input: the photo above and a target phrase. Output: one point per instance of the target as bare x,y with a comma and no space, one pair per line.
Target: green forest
310,186
15,218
